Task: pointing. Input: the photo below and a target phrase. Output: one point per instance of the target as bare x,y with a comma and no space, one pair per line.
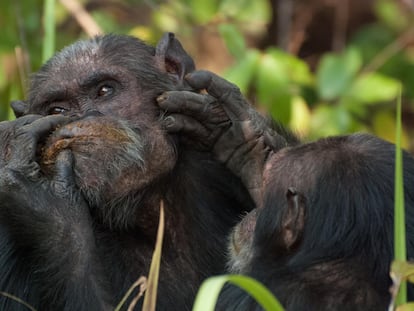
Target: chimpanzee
83,170
321,236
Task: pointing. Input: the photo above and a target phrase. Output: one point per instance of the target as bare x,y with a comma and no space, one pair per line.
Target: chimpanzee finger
202,107
178,123
193,132
64,180
184,101
227,93
27,137
8,128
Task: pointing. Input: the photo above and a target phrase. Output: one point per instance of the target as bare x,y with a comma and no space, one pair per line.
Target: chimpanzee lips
81,136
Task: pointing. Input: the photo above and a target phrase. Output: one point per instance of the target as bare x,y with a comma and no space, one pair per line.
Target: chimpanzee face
108,90
274,229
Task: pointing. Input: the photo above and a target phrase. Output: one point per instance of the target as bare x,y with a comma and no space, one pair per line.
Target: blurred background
322,67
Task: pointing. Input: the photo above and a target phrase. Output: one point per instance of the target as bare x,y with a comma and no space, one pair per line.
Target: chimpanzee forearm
60,247
48,219
225,123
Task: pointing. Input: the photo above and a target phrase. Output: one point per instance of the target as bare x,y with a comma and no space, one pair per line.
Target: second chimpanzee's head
326,220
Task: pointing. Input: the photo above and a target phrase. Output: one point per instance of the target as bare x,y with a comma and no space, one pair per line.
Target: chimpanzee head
107,87
327,216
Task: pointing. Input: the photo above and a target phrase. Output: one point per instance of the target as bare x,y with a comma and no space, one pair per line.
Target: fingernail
162,98
169,121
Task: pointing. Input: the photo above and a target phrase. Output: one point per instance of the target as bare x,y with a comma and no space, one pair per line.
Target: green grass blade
49,29
209,291
400,252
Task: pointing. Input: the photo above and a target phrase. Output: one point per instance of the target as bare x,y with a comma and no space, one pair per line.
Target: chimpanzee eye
105,90
56,110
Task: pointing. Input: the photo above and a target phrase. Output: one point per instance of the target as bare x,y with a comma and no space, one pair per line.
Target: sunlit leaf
336,72
383,125
143,33
243,71
164,20
295,69
272,87
209,291
256,13
374,88
301,116
330,120
406,307
390,13
234,40
202,11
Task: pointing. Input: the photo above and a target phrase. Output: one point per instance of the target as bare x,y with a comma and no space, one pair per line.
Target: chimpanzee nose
91,114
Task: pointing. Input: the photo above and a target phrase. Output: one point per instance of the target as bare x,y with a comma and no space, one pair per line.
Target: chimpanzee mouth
84,136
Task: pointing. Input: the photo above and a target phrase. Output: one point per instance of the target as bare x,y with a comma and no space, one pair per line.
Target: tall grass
49,30
400,250
209,292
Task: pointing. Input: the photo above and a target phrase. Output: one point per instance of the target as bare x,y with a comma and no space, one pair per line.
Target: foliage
347,91
209,291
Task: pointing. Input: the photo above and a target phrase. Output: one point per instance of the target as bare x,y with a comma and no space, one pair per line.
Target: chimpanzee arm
48,219
224,122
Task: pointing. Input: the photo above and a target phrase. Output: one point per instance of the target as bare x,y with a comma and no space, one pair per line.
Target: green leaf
209,291
384,125
273,87
202,11
328,120
301,116
336,72
373,88
406,307
391,14
243,71
295,69
234,40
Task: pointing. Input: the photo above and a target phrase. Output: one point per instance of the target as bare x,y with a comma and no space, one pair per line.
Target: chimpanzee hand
48,217
225,123
21,182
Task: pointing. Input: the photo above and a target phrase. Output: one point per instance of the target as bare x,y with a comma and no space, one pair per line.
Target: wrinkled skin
223,122
83,171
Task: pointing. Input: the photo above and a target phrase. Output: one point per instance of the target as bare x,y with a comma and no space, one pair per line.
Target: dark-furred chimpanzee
321,237
83,170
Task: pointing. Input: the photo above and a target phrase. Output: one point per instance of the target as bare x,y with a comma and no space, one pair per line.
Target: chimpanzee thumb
64,181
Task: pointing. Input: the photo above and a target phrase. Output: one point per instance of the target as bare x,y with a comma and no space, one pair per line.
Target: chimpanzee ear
19,107
172,58
294,218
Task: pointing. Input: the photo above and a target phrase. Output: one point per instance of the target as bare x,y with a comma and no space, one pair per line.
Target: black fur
341,260
54,259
